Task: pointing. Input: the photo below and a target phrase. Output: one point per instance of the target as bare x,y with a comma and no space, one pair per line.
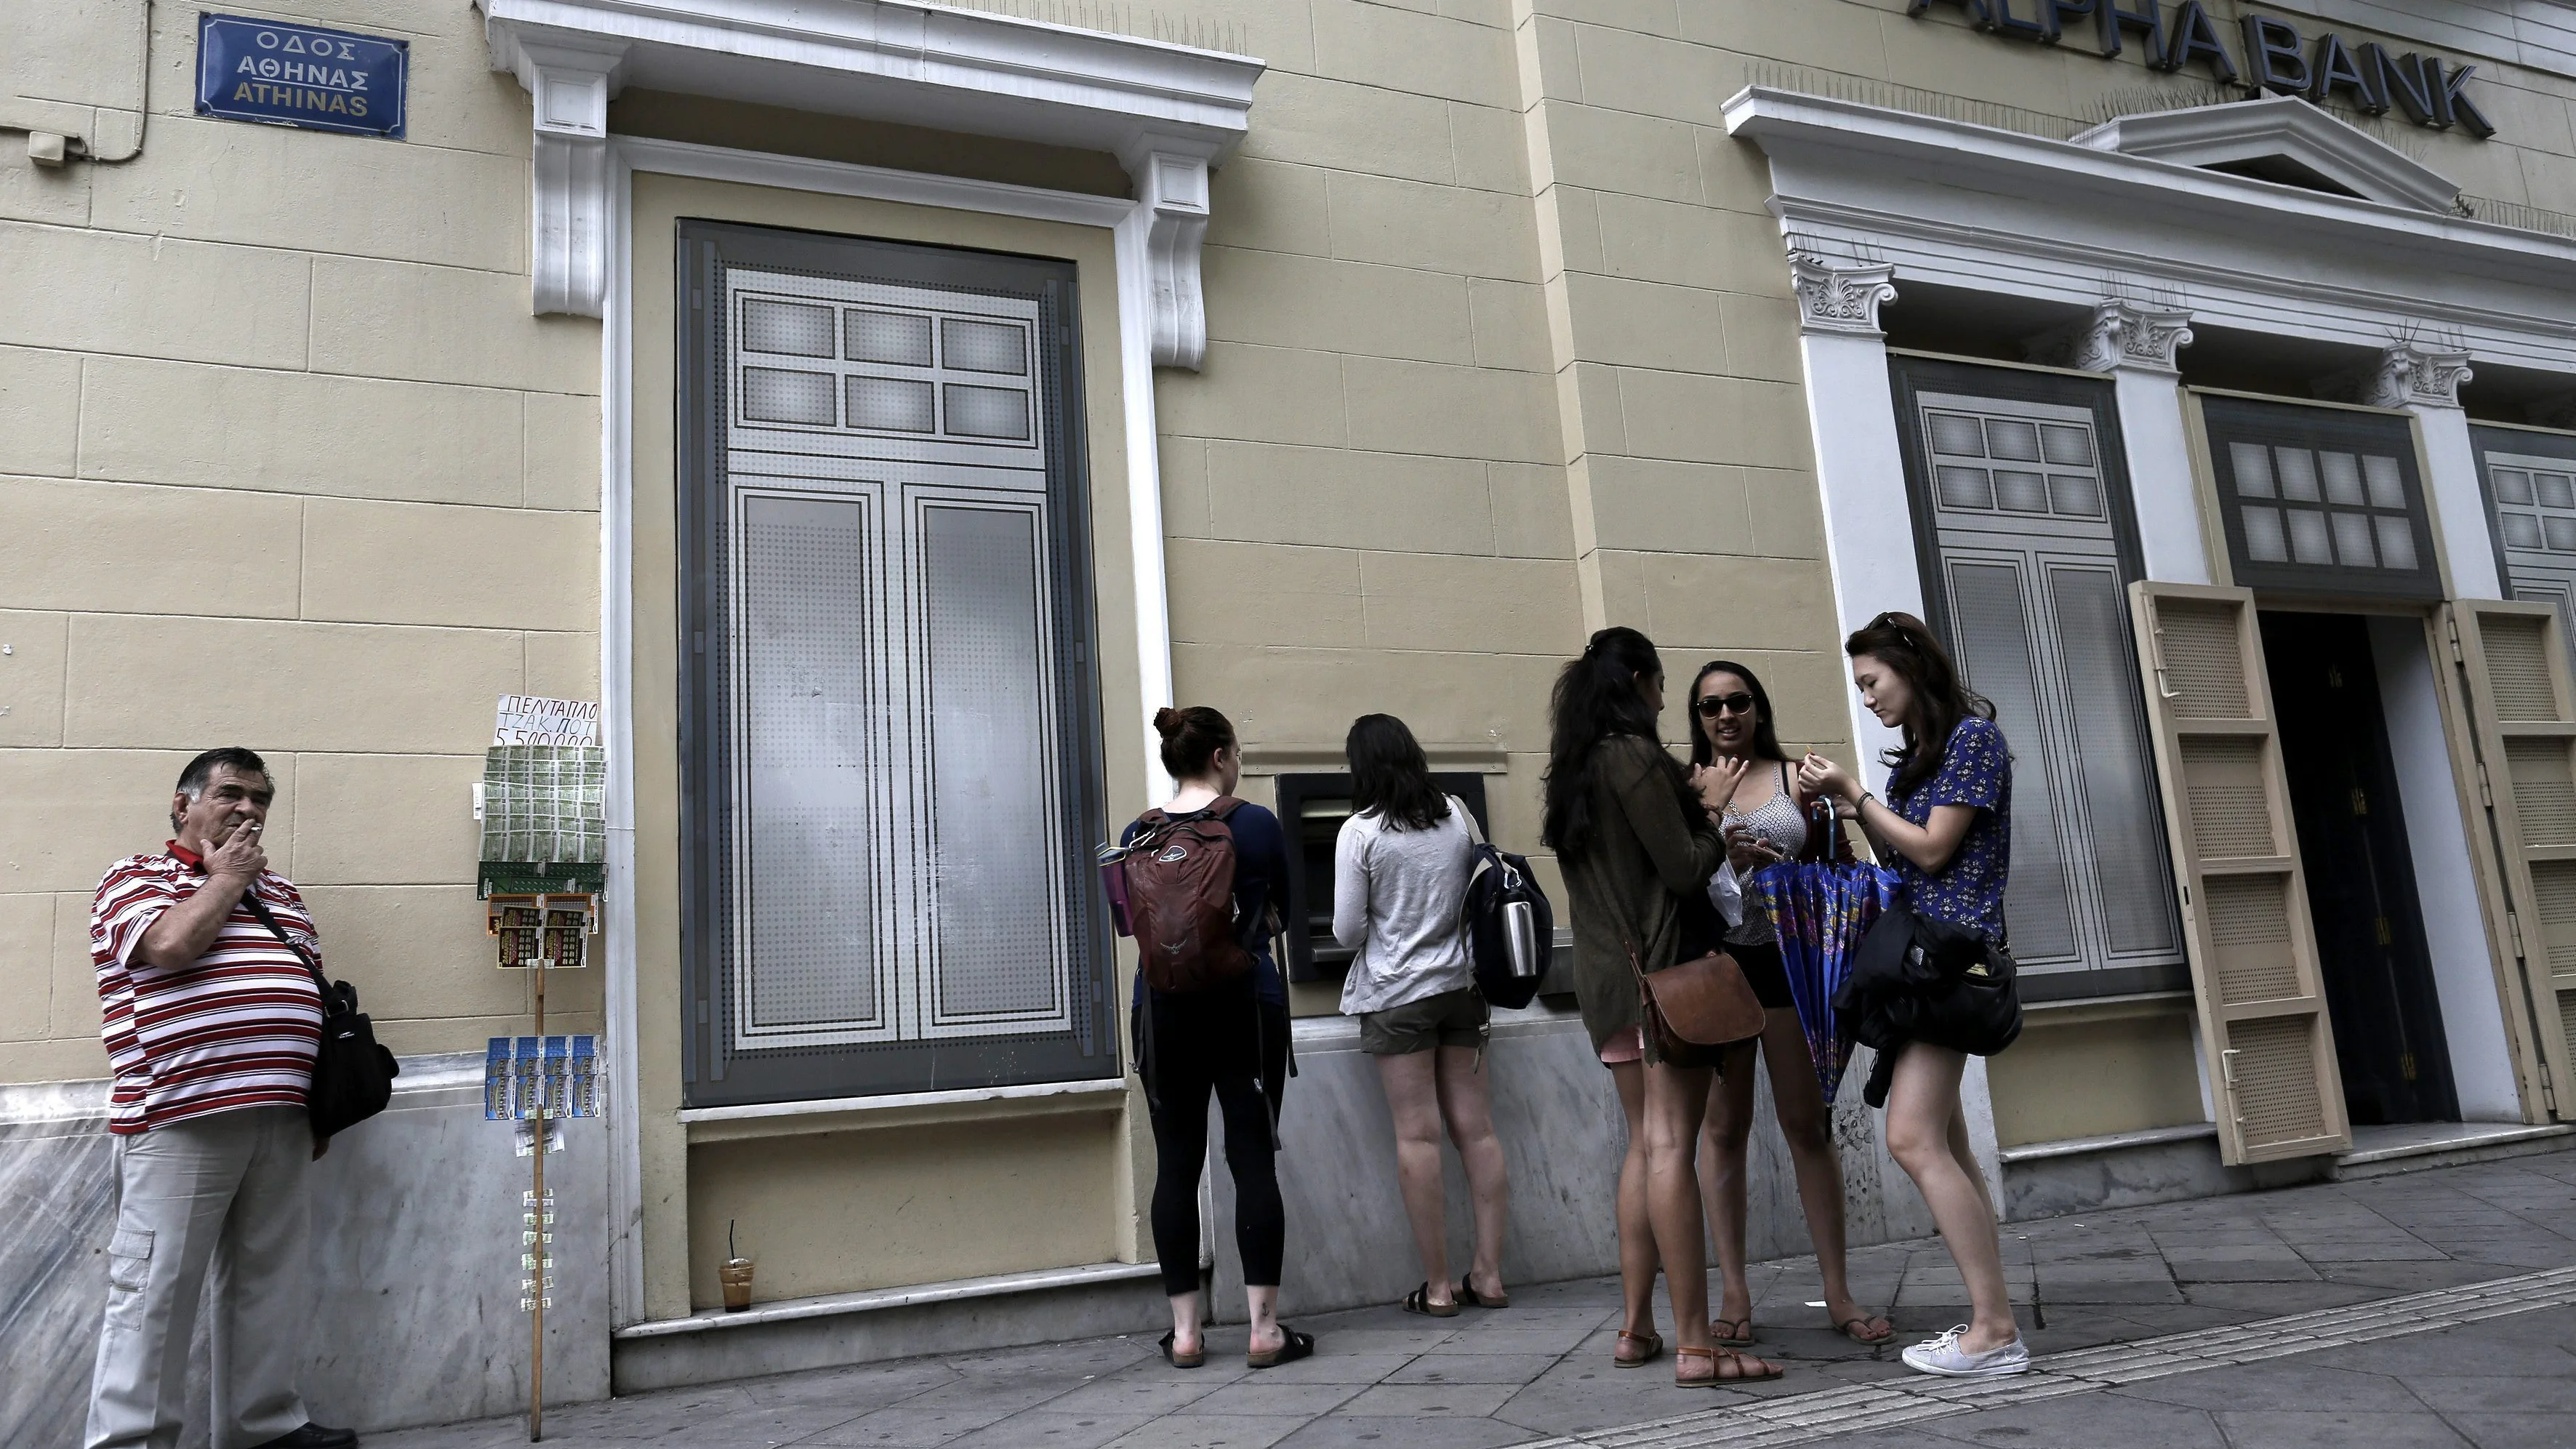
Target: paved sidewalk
1541,1368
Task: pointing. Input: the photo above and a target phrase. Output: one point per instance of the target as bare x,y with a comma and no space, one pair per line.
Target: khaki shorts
1452,1018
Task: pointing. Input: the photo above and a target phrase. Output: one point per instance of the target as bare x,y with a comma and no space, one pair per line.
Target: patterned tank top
1780,822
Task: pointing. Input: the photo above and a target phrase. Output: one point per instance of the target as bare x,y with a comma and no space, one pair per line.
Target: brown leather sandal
1725,1367
1651,1348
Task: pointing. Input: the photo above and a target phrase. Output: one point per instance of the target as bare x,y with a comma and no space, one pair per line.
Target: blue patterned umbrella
1821,912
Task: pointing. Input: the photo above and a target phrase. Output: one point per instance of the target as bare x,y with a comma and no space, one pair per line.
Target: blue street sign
300,75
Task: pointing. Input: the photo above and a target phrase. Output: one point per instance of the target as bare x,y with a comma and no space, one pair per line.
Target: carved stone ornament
569,87
2412,375
1839,296
2121,333
1171,179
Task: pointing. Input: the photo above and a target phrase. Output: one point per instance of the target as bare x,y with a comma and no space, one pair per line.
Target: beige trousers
225,1192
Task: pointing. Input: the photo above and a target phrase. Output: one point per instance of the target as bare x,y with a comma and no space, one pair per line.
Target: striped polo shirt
237,1027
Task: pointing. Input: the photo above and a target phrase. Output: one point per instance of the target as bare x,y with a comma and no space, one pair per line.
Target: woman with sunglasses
1767,819
1945,828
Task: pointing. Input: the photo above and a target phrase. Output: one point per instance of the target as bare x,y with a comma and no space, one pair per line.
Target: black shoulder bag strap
259,908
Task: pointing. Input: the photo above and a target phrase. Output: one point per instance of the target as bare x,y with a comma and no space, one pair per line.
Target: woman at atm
1400,869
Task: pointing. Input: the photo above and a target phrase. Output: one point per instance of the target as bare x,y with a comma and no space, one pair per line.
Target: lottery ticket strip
544,861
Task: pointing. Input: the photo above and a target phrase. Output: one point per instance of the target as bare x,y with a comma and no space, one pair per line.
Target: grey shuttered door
892,726
2030,587
2534,501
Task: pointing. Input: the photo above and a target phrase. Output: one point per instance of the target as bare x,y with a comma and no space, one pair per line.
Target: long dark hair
1766,738
1390,776
1907,645
1595,699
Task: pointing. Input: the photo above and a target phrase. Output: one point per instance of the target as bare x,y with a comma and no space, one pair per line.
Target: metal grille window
2530,479
891,724
2020,508
2320,500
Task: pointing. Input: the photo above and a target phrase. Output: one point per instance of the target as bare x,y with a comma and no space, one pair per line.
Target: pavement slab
1539,1372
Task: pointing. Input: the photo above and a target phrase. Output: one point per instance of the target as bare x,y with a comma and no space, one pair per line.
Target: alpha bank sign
2270,55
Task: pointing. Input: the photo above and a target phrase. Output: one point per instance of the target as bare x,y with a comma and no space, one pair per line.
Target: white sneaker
1944,1357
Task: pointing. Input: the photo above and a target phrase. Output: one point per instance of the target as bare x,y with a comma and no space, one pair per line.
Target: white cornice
2279,126
1168,112
1981,209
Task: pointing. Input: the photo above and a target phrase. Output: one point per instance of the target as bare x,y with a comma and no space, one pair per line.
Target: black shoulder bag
353,1077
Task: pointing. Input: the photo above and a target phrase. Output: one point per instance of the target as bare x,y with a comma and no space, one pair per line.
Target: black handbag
1916,978
353,1076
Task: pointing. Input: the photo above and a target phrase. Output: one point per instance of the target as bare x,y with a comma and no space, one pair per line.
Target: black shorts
1764,972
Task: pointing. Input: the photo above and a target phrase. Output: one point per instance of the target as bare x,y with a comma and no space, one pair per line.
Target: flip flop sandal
1654,1349
1419,1301
1467,1294
1731,1332
1718,1361
1299,1345
1849,1326
1179,1360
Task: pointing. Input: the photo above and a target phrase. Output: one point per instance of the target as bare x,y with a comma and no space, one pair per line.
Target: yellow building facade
881,408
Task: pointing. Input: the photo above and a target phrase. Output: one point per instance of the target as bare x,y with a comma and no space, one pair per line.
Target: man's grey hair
201,772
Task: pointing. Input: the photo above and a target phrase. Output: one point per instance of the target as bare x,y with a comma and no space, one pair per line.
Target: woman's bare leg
1722,1142
1467,1106
1413,1099
1186,1324
1676,1102
1807,1123
1637,1259
1922,1113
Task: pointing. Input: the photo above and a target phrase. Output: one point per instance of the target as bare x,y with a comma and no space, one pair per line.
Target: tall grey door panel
2020,523
890,729
2530,482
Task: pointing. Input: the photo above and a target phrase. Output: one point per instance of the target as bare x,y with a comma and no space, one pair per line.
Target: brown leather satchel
1702,1003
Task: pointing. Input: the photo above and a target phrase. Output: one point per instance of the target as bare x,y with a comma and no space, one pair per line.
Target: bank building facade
879,409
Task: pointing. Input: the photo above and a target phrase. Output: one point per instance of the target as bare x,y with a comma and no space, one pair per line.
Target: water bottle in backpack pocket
1509,925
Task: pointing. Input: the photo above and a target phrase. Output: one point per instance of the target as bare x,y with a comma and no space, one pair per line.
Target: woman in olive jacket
1637,839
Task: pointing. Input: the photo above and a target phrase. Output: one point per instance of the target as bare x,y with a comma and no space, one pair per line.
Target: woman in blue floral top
1945,828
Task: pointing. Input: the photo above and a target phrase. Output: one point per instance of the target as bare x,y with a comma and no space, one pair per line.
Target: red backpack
1180,898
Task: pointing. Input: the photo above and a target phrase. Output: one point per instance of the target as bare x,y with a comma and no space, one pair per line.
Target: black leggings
1227,1042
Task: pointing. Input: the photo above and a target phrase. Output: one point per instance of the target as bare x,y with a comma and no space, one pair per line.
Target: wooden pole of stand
544,1259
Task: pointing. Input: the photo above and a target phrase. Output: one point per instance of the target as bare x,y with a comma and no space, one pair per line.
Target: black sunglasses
1710,706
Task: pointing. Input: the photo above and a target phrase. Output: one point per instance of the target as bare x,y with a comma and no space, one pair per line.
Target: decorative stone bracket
1840,297
2411,375
2119,334
569,87
1172,206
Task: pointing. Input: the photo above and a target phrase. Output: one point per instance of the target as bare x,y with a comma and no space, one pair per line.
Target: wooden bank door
2252,944
2521,719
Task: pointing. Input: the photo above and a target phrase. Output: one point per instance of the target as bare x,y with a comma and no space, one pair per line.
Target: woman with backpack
1945,828
1211,1015
1636,837
1767,820
1400,870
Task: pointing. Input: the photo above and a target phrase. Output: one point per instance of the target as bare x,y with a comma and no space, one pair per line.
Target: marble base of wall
416,1241
1001,1312
2133,1169
1563,1137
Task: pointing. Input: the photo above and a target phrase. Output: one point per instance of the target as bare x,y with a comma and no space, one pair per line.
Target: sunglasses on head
1710,706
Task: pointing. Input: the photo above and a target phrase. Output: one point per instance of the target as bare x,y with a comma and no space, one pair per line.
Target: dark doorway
2360,871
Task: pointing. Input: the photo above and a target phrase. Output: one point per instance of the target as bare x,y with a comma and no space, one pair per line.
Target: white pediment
2284,139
